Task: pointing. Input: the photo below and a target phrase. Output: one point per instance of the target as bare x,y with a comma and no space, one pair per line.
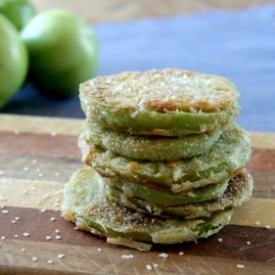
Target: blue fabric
239,45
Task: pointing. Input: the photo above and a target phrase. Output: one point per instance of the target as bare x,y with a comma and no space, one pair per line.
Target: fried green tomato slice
163,196
238,191
226,157
153,148
169,102
86,205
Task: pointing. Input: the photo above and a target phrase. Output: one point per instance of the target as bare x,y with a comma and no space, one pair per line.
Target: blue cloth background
239,45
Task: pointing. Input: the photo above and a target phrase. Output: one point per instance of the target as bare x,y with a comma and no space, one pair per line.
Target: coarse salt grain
149,267
34,259
57,231
58,237
26,234
53,219
240,266
130,256
50,261
60,256
220,240
268,226
257,223
48,238
43,209
163,255
99,249
2,173
5,211
181,253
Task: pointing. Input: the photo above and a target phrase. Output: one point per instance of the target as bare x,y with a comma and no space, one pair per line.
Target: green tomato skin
63,52
19,12
13,61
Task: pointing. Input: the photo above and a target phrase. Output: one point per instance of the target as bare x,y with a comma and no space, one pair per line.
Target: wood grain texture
38,155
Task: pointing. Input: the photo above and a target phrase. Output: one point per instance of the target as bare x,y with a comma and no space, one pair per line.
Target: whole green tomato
63,52
19,12
13,61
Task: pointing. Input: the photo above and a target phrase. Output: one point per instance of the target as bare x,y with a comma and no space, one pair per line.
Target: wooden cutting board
38,155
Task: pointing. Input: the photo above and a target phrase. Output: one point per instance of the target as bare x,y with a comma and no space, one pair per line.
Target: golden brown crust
162,91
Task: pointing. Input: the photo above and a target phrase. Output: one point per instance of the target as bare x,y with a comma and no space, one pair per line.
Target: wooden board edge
40,125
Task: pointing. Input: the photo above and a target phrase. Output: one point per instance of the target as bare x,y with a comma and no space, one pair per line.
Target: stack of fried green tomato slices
165,159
